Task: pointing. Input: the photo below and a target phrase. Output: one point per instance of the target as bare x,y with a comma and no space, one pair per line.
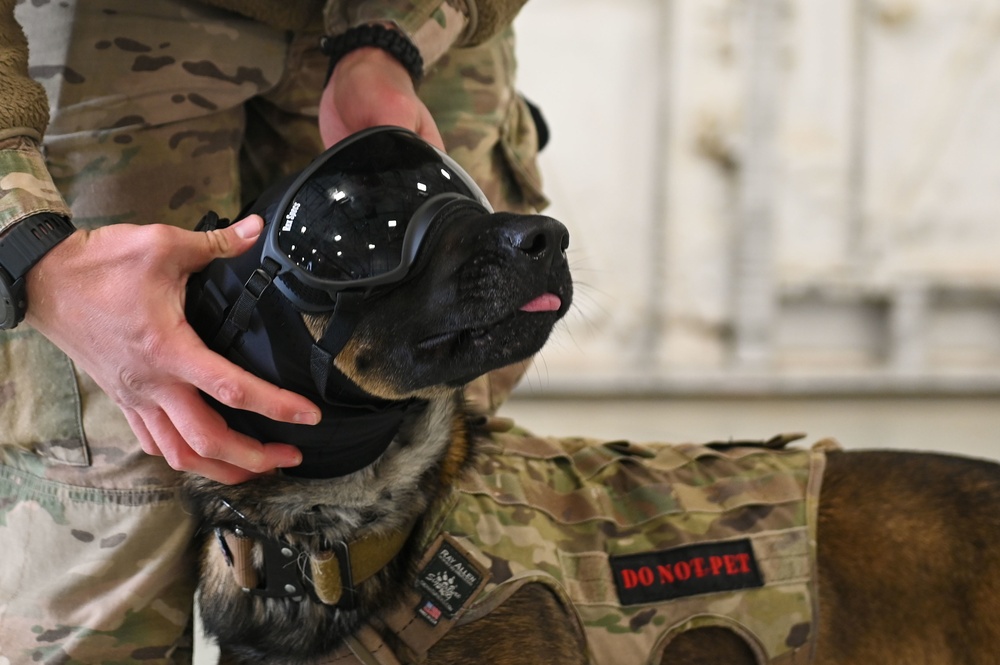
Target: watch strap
25,243
22,245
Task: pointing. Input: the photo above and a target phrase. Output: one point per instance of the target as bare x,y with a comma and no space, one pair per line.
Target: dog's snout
538,236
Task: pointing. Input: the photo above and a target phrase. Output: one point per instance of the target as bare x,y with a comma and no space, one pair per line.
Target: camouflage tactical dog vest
639,543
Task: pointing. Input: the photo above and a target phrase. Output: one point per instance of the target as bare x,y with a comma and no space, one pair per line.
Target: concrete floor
968,426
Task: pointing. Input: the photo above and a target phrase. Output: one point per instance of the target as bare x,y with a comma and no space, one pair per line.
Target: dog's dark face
485,292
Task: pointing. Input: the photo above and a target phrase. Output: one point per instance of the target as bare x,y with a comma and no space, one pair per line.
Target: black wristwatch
21,247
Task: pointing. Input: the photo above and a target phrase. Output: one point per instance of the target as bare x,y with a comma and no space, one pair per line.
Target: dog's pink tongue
547,302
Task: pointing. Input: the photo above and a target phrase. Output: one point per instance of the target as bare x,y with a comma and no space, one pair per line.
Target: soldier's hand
369,88
113,300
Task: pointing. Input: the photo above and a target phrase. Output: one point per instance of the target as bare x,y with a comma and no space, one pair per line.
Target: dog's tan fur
908,553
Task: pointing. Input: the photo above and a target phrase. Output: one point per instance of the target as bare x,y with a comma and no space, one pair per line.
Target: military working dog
467,540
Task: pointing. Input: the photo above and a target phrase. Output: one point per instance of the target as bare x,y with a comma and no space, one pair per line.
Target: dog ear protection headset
354,219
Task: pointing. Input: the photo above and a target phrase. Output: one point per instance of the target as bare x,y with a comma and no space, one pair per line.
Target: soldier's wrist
431,37
374,35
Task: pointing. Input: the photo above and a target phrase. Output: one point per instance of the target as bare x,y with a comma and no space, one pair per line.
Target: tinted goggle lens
357,215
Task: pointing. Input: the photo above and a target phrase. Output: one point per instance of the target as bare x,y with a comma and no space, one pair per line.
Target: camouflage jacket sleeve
434,26
25,184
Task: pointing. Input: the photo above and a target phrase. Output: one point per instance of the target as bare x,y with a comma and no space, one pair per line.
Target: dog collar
330,576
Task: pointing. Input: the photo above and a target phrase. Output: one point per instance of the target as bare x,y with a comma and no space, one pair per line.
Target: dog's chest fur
640,543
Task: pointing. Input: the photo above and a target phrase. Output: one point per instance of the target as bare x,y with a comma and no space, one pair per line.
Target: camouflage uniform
161,110
639,543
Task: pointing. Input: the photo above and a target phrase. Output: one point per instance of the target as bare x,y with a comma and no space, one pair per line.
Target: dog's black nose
537,236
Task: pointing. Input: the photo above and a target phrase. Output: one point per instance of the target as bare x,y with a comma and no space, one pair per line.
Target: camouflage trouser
162,110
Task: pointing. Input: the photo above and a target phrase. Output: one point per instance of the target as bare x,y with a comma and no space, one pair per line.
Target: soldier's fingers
234,386
428,129
182,457
207,434
141,432
196,249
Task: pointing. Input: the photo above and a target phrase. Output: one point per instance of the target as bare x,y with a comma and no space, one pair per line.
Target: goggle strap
238,318
211,221
345,317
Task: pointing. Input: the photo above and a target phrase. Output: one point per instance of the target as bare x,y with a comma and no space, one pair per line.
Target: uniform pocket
519,144
487,127
39,399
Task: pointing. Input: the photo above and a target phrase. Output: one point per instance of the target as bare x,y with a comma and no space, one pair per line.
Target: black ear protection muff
354,219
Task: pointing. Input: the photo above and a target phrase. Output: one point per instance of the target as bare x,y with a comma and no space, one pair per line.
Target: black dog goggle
353,220
356,216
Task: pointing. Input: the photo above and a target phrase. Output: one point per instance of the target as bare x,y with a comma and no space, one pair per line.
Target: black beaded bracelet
391,41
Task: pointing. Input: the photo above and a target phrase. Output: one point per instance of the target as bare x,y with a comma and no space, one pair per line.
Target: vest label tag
650,577
447,582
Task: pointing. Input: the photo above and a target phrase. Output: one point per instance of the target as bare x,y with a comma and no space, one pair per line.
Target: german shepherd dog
908,553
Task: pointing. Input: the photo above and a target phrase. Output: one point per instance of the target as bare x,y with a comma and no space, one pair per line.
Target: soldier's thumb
234,239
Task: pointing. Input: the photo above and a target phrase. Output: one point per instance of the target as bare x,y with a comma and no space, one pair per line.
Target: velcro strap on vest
364,647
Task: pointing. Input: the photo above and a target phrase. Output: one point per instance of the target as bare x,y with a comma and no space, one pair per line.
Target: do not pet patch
650,577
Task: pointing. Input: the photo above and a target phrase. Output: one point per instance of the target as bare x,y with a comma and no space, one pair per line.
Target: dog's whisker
534,380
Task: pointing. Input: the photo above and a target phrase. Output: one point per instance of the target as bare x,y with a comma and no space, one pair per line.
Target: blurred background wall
772,197
785,216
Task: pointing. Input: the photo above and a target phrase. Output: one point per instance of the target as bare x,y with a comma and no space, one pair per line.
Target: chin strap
346,313
343,321
238,319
